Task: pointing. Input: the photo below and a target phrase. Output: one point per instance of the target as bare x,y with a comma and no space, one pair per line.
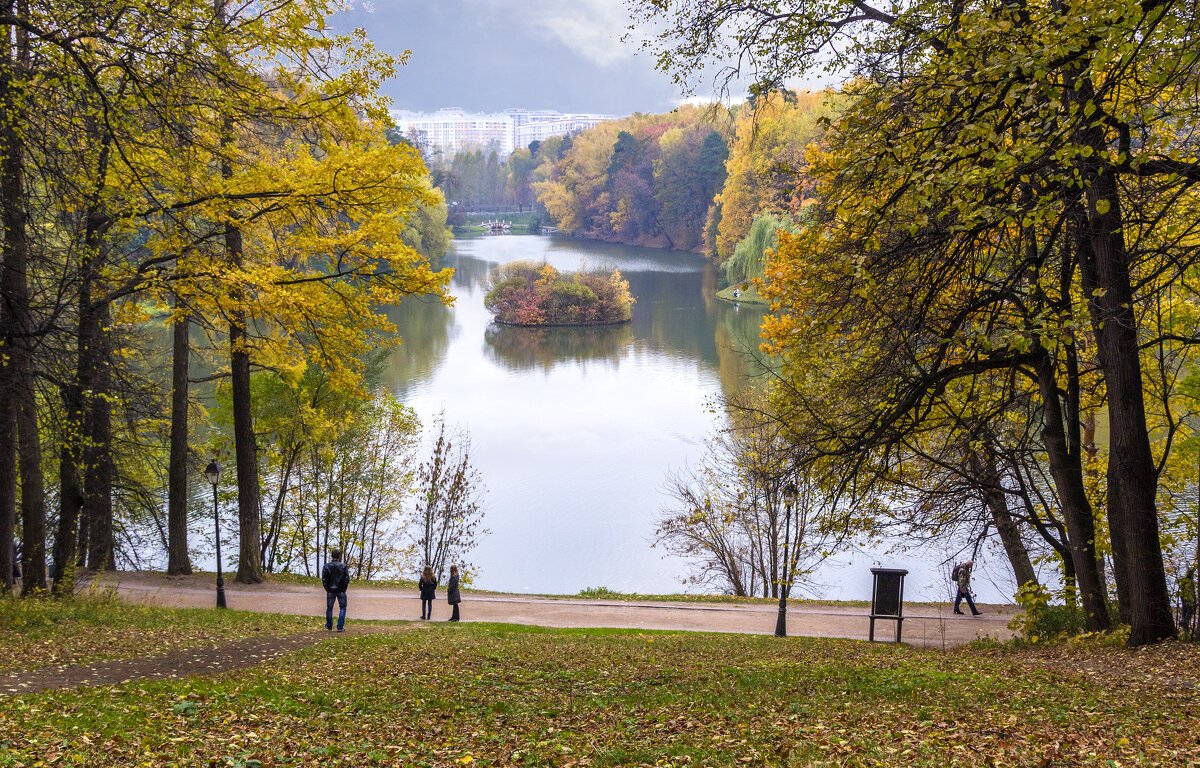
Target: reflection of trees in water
424,328
679,314
468,272
524,348
737,338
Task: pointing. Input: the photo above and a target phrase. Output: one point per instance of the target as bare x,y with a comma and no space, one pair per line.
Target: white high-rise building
452,130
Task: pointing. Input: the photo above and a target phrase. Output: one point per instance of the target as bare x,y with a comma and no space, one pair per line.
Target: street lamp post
213,473
785,571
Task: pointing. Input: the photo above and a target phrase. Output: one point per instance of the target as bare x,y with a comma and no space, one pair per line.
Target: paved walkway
923,625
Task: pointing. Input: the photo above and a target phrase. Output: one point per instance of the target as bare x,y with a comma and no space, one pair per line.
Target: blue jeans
959,598
341,600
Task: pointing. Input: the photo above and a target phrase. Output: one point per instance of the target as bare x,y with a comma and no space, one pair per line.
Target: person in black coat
428,587
335,577
452,595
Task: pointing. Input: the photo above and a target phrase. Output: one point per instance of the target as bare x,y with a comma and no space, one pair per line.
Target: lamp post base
221,593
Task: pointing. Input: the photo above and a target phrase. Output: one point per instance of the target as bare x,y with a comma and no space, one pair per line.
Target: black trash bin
887,598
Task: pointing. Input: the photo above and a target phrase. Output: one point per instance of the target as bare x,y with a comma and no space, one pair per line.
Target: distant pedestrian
16,562
335,577
962,577
1187,598
452,595
428,587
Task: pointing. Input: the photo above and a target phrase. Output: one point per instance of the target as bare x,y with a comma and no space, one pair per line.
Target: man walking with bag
335,577
961,575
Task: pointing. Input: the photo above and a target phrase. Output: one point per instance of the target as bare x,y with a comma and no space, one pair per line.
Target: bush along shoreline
529,294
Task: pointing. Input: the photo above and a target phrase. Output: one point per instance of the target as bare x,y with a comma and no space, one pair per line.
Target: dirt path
211,660
923,625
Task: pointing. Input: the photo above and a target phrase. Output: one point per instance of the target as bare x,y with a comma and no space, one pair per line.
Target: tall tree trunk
177,474
99,470
8,471
249,545
85,538
11,220
77,507
70,546
1132,482
70,489
14,290
29,459
1067,472
986,469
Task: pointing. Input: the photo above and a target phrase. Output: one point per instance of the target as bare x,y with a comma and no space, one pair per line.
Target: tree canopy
1008,188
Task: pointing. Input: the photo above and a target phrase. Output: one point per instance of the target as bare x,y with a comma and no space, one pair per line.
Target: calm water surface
575,429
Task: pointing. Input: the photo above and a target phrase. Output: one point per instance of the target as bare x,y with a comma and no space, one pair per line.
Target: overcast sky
486,55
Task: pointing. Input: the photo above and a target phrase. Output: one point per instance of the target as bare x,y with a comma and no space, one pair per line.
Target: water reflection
575,428
524,348
425,325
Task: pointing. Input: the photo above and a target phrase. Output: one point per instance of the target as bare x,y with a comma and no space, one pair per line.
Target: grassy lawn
45,632
506,695
748,294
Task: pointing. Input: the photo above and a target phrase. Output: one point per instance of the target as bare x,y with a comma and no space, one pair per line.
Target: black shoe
958,613
976,613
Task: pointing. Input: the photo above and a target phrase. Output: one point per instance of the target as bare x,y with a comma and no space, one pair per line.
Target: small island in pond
531,294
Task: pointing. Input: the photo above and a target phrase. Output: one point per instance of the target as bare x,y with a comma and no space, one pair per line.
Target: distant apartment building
452,130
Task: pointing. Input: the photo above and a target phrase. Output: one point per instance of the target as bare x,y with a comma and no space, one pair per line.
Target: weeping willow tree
748,257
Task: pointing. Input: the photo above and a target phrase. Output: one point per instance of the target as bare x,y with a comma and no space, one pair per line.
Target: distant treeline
694,179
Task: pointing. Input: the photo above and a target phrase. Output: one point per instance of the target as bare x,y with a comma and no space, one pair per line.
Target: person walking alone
452,595
428,587
962,577
335,577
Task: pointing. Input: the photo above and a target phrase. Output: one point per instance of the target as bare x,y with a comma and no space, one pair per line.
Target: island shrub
528,293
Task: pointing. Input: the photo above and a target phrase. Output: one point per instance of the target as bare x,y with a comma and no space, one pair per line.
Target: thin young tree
449,510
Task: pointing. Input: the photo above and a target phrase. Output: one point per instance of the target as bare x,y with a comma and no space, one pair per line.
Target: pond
576,429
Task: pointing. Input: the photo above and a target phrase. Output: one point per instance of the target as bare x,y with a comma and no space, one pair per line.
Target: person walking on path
428,587
452,595
335,577
962,577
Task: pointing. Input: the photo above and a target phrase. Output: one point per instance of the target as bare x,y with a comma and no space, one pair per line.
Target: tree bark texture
177,480
1067,472
1103,260
70,489
8,404
8,478
19,339
996,499
249,546
68,547
99,469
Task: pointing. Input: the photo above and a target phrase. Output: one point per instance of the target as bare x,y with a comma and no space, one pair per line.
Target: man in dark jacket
335,577
961,575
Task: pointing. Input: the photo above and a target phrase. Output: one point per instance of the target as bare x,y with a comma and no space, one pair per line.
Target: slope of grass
511,695
42,632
